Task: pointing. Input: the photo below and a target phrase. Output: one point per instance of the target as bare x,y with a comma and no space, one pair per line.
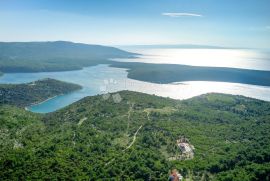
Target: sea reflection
236,58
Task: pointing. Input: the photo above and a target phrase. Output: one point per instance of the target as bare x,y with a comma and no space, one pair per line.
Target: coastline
37,103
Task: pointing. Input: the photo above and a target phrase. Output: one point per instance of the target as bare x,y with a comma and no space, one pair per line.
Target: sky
231,23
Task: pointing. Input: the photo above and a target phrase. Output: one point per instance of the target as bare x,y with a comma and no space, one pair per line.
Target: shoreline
35,104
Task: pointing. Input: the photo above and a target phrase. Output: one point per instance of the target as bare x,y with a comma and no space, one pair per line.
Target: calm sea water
236,58
102,78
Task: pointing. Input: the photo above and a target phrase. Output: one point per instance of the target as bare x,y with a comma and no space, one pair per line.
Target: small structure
186,148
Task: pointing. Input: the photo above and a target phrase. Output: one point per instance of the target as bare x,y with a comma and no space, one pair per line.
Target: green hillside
22,95
54,56
98,138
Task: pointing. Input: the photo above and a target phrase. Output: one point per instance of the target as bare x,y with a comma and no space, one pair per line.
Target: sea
103,79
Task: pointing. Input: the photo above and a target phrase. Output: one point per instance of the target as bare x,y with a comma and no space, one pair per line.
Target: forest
22,95
97,138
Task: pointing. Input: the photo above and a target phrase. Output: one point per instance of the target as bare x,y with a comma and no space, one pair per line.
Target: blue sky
234,23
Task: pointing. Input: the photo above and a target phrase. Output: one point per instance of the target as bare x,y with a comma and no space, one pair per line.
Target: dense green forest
22,95
98,139
54,56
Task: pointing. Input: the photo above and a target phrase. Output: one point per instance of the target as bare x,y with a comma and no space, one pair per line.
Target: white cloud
176,15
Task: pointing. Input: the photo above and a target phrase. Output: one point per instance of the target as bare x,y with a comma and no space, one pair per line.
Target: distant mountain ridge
54,56
60,49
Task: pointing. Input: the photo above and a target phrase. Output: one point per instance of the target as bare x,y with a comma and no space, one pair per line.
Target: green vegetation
54,56
22,95
168,73
96,139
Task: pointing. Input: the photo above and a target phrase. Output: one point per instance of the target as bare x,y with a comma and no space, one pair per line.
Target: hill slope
53,56
22,95
98,138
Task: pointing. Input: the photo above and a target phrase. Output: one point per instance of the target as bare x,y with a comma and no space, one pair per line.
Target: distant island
213,136
54,56
169,73
23,95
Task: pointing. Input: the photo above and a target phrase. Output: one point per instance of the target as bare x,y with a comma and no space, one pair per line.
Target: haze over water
234,58
102,78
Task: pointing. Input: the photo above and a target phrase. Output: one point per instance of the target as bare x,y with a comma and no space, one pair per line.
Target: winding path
134,138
